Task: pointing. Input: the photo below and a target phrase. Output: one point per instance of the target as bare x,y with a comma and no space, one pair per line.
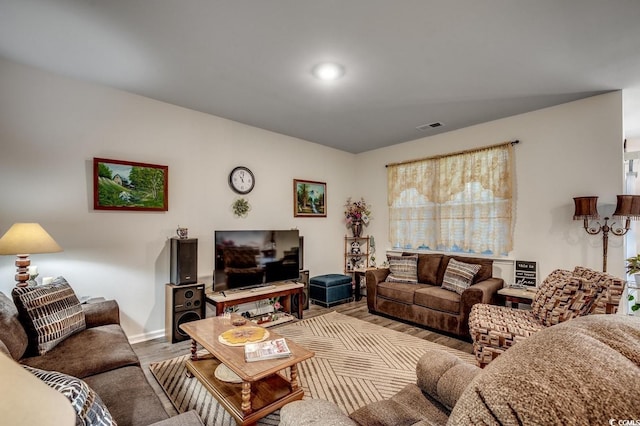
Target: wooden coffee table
264,388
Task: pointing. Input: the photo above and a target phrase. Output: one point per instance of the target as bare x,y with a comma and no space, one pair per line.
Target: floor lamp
627,207
23,239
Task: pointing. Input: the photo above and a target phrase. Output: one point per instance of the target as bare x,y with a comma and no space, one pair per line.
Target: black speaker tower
184,261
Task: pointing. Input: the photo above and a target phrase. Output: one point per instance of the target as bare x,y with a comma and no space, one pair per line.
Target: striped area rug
356,363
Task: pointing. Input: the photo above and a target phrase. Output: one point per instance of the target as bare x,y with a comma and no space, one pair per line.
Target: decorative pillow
89,408
403,269
50,313
563,299
610,290
459,275
547,288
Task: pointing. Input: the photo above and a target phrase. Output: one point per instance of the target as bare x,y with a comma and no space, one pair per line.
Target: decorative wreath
241,207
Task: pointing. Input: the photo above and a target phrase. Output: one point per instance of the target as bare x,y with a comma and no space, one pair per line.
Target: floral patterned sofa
563,295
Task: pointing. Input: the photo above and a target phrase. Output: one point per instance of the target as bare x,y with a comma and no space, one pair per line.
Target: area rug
355,363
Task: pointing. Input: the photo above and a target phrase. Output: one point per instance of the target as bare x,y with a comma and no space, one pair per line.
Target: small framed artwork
125,185
309,198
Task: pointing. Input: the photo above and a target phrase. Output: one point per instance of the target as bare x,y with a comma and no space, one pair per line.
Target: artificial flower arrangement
275,302
357,211
272,315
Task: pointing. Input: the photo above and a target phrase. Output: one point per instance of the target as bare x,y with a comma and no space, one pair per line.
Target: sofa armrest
101,313
484,291
444,376
374,277
189,418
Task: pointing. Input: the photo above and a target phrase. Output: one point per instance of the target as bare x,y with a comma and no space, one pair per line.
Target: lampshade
27,238
586,208
628,206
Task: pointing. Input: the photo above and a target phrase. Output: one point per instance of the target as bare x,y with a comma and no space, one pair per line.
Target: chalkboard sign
526,273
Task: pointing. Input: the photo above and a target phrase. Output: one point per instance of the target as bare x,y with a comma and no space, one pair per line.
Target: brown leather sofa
427,303
101,356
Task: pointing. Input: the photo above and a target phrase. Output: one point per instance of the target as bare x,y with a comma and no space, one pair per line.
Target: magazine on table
269,349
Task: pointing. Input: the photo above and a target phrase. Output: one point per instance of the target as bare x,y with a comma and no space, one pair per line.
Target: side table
515,296
358,274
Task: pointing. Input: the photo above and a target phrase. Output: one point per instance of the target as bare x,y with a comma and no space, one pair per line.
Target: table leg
300,303
356,277
294,377
286,303
246,398
194,350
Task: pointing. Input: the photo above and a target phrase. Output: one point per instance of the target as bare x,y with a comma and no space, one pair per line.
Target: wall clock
241,180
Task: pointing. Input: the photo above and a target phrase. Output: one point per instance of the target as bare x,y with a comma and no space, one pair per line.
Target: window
460,202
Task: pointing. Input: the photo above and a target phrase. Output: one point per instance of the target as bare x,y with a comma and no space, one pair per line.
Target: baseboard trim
146,336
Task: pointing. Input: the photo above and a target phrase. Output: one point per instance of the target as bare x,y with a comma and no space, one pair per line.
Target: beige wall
565,151
51,128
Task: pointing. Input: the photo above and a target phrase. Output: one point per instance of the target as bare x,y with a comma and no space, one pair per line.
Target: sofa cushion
563,297
407,407
400,292
582,372
403,269
547,288
437,298
610,290
12,333
428,267
459,275
50,313
89,352
444,376
128,395
85,401
494,329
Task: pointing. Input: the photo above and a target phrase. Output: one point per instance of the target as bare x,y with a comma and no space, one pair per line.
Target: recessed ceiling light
328,71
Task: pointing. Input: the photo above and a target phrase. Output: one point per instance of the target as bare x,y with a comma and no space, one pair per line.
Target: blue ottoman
330,289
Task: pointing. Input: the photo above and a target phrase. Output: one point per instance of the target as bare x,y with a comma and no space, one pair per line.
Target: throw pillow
547,288
403,269
610,290
89,408
563,299
50,313
459,275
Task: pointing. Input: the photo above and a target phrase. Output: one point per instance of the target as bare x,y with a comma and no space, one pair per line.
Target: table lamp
23,239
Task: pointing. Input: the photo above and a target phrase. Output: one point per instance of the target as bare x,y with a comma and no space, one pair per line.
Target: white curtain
459,202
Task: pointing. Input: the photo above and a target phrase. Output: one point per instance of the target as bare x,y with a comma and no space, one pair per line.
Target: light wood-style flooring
159,349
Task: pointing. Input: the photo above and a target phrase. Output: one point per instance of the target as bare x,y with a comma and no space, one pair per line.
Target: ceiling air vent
429,126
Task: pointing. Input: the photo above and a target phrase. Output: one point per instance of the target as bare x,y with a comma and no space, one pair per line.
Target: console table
223,300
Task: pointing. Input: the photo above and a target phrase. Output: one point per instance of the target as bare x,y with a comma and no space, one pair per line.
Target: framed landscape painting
125,185
309,198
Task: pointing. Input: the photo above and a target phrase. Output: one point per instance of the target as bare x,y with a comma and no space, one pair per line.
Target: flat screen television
245,259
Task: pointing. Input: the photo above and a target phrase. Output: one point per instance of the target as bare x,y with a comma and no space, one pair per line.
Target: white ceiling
408,62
